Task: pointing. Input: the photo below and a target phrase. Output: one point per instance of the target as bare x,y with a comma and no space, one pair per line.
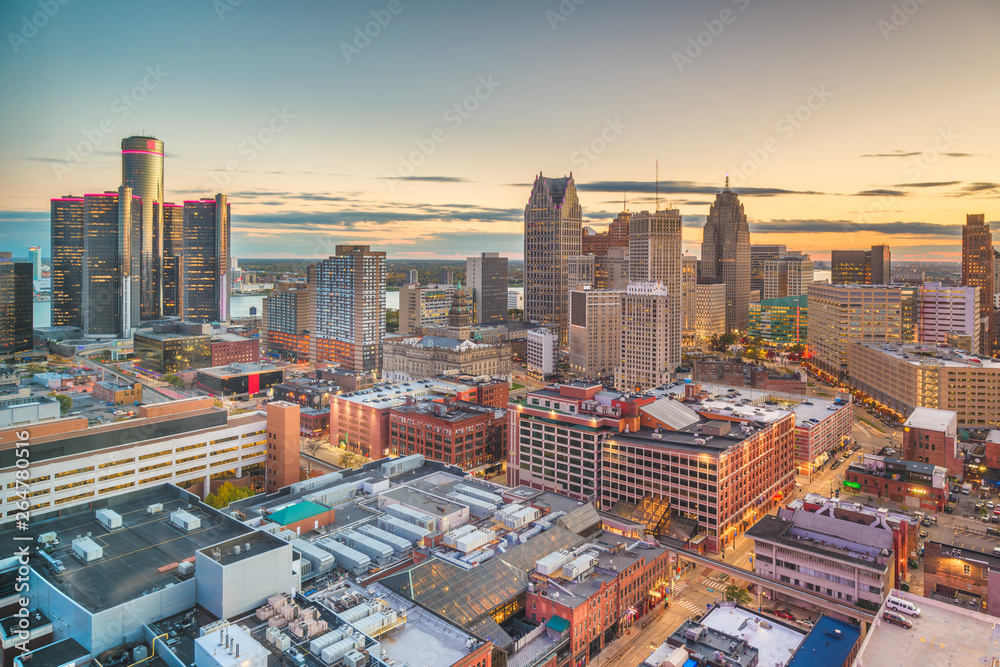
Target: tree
226,494
175,381
391,320
516,314
65,402
311,447
740,596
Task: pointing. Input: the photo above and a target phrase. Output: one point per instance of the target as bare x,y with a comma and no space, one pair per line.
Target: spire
727,181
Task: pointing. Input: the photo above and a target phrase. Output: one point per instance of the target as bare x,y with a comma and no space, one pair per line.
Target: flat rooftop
773,529
239,369
942,635
915,354
133,553
419,500
169,335
828,644
454,413
930,419
389,394
253,544
775,645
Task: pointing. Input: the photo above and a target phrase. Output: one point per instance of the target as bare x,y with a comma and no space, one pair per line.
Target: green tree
515,314
226,494
391,320
175,381
65,402
740,596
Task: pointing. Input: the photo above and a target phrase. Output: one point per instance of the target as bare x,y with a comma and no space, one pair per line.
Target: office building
542,349
406,359
16,305
486,276
580,272
467,435
780,320
206,259
654,246
944,310
595,331
909,483
424,306
916,376
593,242
142,171
862,267
117,392
977,271
165,353
446,277
347,308
689,299
650,352
552,232
35,259
759,255
66,216
240,380
843,314
725,254
710,307
611,270
285,332
789,275
110,295
171,269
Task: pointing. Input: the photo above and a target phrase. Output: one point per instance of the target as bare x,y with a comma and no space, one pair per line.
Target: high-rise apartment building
650,352
35,259
595,326
171,260
618,230
789,275
977,271
654,246
759,254
943,309
486,276
552,233
725,254
205,260
710,309
67,261
541,352
689,299
861,267
16,305
111,237
285,331
142,171
446,277
424,306
843,314
347,308
412,277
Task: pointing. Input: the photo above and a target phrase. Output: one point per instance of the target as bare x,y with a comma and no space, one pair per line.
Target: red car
785,615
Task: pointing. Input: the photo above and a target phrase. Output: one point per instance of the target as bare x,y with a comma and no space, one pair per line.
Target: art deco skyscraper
205,260
347,308
552,234
725,254
142,170
67,261
654,246
111,239
977,271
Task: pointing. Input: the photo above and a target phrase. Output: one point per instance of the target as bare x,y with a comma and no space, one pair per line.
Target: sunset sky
842,124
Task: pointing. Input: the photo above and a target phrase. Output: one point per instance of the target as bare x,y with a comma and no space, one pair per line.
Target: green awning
557,623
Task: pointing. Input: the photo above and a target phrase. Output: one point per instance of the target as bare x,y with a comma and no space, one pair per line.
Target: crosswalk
681,587
714,583
684,604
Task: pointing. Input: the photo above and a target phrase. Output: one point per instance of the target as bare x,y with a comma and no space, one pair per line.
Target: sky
418,126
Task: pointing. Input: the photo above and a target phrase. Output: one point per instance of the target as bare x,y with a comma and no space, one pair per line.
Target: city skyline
835,151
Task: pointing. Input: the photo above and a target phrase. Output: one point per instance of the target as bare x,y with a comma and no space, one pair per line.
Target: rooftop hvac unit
185,520
185,567
695,632
140,652
47,538
109,519
87,549
155,508
354,658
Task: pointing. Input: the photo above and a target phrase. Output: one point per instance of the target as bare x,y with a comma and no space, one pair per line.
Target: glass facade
780,320
173,245
205,260
67,261
142,170
173,353
16,303
111,237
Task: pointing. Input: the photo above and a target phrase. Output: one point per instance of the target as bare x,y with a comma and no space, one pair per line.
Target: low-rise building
962,576
345,380
910,483
931,436
228,348
467,435
110,391
406,359
239,380
169,352
18,407
543,353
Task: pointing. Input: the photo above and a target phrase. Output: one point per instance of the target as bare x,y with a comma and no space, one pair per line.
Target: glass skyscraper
204,273
111,239
16,292
67,261
142,171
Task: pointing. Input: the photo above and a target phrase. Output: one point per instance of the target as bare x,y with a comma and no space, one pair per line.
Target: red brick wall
282,445
228,352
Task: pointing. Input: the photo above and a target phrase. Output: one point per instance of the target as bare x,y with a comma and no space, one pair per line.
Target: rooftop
828,644
239,369
454,412
774,644
423,502
931,419
169,335
773,529
709,641
917,353
387,394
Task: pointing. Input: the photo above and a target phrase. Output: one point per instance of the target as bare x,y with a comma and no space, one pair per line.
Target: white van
897,604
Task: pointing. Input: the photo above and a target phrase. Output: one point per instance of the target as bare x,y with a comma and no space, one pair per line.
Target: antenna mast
657,185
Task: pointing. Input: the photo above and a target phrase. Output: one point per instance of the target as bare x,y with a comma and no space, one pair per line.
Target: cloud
682,187
899,153
929,184
430,179
924,229
880,193
978,188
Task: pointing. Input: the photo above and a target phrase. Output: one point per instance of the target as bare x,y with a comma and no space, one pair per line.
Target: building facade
467,435
912,484
142,171
171,262
285,332
486,276
542,352
171,352
110,294
654,246
650,336
977,271
67,217
861,267
780,320
790,275
759,254
725,254
710,312
689,299
423,306
206,260
611,270
595,332
16,305
407,359
944,310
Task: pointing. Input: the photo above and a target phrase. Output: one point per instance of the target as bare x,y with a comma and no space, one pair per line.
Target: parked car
926,521
923,533
990,505
805,623
785,615
896,619
993,531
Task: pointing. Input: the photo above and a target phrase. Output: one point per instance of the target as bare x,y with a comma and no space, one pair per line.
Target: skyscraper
861,267
142,170
486,276
35,259
759,254
16,303
286,321
67,261
689,299
725,254
205,260
790,275
881,261
412,277
647,322
654,246
347,308
977,271
552,234
173,249
595,332
111,238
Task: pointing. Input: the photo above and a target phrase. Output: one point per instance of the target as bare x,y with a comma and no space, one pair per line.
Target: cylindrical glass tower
142,170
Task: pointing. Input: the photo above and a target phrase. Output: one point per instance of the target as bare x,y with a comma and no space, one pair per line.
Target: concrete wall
228,590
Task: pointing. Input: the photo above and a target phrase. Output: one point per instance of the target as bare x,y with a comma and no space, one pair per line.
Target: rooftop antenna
657,185
727,180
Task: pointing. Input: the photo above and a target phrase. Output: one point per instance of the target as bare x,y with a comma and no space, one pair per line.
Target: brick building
911,483
229,348
930,436
964,576
463,434
118,393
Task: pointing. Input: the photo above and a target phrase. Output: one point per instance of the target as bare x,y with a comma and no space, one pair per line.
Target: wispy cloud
682,187
899,153
882,192
925,229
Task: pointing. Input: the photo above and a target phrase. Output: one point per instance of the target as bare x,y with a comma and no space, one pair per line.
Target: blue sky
843,124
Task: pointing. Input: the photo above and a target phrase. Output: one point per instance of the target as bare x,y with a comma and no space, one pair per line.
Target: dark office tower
142,170
759,255
486,277
347,308
977,271
111,239
446,277
725,254
173,246
67,261
553,224
850,267
16,305
881,263
205,260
